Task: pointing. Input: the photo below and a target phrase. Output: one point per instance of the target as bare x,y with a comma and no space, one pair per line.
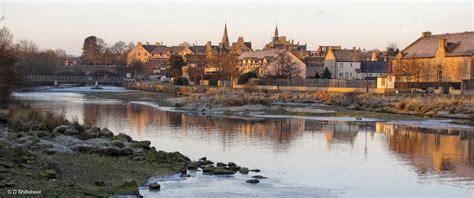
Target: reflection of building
335,132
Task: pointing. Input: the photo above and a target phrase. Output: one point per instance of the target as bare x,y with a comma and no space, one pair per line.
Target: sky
365,24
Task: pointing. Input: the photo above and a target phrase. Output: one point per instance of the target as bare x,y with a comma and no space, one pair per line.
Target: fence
427,85
318,83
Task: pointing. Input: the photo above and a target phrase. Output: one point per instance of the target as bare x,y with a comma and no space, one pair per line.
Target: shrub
244,78
20,115
213,82
181,81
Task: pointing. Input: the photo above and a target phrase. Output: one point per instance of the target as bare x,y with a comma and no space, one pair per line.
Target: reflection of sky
361,159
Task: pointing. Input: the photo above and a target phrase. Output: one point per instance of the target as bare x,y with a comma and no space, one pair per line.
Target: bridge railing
74,78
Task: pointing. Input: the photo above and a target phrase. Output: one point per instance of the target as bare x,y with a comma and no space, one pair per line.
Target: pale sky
365,24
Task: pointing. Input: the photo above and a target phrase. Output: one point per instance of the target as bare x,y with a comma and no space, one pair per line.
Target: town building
280,42
437,58
267,62
372,69
141,52
343,63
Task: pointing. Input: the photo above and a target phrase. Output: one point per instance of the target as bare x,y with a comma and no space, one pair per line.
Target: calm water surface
301,157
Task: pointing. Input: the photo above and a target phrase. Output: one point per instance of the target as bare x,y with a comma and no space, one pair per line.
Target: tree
316,75
195,73
92,50
136,67
326,73
175,65
286,67
392,49
8,75
244,78
410,69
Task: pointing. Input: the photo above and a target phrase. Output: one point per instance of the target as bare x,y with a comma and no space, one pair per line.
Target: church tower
275,36
224,45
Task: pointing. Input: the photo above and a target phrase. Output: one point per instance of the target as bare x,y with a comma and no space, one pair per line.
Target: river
301,157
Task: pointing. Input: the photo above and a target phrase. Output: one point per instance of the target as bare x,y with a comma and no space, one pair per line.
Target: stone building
265,62
141,52
439,58
280,42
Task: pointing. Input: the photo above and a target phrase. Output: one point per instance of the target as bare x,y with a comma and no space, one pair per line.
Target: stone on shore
127,188
123,137
253,181
244,170
106,133
259,177
154,186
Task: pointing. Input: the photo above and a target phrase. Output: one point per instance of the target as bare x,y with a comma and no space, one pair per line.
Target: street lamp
367,75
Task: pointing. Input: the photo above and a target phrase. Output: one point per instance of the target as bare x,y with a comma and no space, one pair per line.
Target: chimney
139,43
374,56
442,43
425,34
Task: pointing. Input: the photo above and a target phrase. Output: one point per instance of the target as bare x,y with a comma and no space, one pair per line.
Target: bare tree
392,48
8,74
6,37
286,67
410,69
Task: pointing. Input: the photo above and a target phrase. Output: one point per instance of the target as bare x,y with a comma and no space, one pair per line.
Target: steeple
225,38
276,31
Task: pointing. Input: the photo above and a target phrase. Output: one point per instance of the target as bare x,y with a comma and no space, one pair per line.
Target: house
268,63
141,52
372,69
437,58
314,64
343,63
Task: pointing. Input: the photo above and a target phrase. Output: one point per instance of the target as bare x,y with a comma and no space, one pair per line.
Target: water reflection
431,154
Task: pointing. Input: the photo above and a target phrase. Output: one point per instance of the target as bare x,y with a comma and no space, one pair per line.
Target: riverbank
45,155
248,102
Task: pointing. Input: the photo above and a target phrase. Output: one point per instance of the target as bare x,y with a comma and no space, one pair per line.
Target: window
350,74
341,74
382,82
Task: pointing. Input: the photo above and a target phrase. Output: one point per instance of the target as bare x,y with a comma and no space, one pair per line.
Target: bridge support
56,83
97,84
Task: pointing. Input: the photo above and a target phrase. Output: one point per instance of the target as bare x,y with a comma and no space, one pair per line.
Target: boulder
126,151
220,164
106,133
127,188
244,170
142,144
253,181
255,170
207,169
259,177
88,134
61,129
117,143
71,132
231,164
222,171
154,186
203,159
192,166
123,137
234,168
110,151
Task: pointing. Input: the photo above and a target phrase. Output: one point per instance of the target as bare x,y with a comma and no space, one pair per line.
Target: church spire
276,31
225,38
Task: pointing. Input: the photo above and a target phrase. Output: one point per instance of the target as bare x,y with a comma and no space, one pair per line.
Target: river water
301,157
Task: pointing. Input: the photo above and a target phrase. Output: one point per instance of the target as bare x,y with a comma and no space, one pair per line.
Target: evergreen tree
317,75
326,73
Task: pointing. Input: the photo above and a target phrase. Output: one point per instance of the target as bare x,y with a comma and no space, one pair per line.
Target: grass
19,115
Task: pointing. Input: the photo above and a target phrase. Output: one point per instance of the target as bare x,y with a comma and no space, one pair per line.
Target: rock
123,137
99,183
231,164
203,159
204,163
106,133
85,148
142,144
244,170
234,168
94,129
110,151
186,175
127,188
154,186
117,143
71,132
259,177
255,170
192,166
222,171
6,164
220,164
88,134
9,184
207,169
126,151
61,129
253,181
48,174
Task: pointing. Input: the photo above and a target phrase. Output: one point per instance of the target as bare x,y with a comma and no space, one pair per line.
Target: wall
304,89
